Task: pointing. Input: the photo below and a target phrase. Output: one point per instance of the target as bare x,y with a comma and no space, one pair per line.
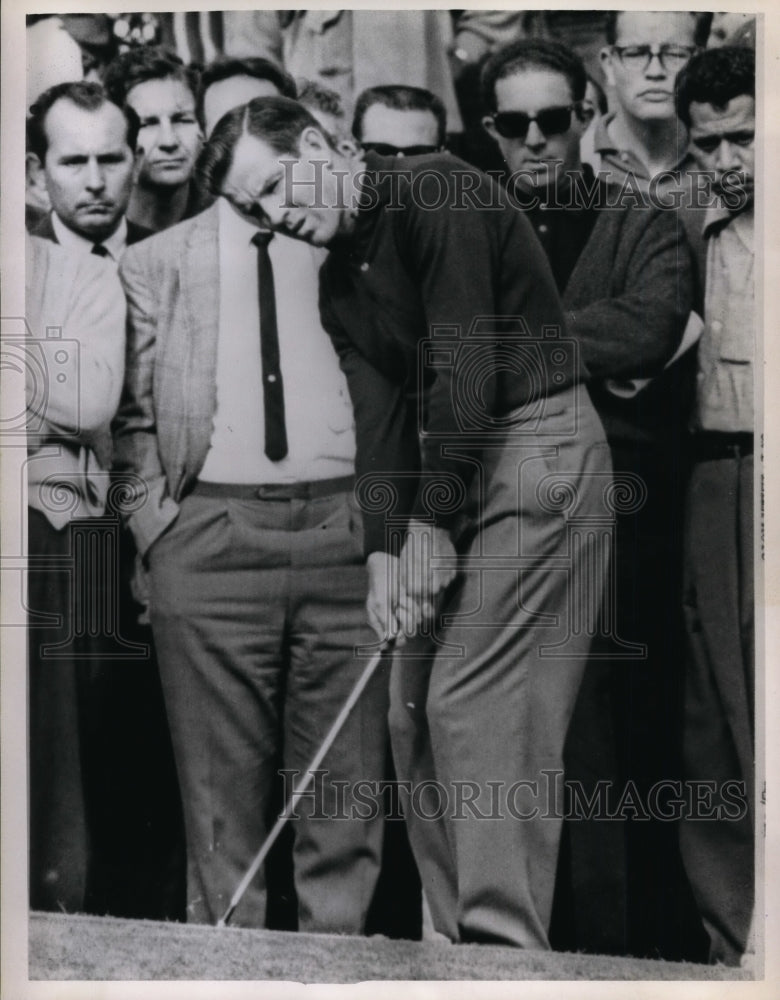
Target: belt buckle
275,491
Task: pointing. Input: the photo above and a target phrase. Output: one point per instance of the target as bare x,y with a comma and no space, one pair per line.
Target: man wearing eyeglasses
624,273
396,120
645,50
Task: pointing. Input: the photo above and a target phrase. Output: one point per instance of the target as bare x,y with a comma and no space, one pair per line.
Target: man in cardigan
470,477
625,276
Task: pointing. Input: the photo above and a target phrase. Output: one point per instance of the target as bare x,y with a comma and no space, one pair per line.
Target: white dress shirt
115,244
318,410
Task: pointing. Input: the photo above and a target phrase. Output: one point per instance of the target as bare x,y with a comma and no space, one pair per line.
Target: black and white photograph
385,576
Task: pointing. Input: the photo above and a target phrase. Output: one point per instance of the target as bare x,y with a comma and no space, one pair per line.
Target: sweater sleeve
387,455
481,272
453,258
631,330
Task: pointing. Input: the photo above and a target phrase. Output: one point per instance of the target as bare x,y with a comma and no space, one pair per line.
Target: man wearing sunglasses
624,274
534,91
644,52
396,120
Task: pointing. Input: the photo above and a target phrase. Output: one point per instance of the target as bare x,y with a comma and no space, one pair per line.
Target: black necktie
100,251
273,391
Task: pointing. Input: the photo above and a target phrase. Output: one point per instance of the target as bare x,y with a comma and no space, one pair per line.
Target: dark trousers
257,607
622,887
480,711
58,677
720,692
105,820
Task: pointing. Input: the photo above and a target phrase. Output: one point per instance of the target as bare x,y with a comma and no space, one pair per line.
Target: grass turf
72,947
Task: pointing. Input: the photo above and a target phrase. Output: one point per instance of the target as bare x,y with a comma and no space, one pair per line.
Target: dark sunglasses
386,149
549,121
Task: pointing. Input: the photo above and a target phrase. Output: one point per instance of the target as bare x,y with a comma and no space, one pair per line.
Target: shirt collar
718,217
115,243
604,144
377,182
234,226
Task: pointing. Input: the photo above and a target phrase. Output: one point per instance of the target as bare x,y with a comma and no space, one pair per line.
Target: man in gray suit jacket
253,546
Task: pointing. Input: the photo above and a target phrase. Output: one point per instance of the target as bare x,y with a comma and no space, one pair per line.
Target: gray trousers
479,711
718,846
256,608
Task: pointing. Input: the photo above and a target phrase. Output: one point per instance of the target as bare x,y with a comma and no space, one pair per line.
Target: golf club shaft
308,777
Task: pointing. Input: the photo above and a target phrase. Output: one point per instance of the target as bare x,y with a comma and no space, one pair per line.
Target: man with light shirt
80,148
643,136
237,418
69,406
715,98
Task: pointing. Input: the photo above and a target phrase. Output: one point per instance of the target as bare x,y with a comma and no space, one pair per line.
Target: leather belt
275,491
711,445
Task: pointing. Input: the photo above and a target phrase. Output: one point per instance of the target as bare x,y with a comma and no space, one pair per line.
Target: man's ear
138,159
581,118
348,147
489,127
606,58
313,141
35,182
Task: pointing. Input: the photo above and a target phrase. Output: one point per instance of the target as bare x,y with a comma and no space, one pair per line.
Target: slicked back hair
399,97
278,121
532,54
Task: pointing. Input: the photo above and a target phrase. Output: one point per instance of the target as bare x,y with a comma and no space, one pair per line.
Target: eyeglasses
638,57
387,149
549,121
